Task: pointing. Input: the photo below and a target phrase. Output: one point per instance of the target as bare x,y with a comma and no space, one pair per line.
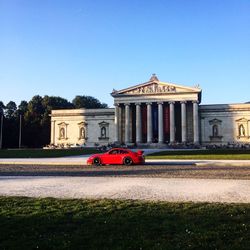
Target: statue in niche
62,133
82,133
242,131
215,131
103,132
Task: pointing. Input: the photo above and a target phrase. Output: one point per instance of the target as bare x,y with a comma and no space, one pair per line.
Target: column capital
149,103
183,102
171,102
116,104
160,103
126,104
138,104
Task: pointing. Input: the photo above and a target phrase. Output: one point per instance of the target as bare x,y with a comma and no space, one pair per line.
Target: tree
10,110
56,102
36,118
2,107
23,107
10,126
87,102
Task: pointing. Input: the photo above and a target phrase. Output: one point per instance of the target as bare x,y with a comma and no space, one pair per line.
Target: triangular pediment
242,120
80,124
103,123
215,121
63,124
155,87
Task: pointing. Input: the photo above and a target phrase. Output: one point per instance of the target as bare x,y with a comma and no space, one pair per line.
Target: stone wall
82,127
225,123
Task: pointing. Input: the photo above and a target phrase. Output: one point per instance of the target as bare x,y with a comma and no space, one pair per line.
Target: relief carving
153,89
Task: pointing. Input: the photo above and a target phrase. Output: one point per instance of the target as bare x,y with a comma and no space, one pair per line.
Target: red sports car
117,156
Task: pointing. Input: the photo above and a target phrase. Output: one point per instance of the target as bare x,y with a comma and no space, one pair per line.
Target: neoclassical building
153,113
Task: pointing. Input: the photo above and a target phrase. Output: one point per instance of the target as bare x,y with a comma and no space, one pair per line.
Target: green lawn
218,154
43,153
27,223
170,154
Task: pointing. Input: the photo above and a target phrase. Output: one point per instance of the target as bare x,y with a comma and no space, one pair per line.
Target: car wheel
97,161
127,161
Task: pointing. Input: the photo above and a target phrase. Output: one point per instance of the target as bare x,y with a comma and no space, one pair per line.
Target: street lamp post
20,131
1,133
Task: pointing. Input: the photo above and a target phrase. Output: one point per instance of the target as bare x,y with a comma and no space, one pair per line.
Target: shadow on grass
28,223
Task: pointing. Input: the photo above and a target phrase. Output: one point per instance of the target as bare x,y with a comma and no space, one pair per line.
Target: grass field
44,153
27,223
218,154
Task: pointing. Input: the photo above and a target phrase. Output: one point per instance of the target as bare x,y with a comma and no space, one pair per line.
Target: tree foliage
35,118
87,102
2,107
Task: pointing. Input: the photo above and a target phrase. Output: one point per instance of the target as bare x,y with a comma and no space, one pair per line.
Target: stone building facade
225,123
153,113
78,127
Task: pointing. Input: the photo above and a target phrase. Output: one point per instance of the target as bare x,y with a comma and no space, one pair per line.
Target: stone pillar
149,122
53,132
160,122
195,122
138,123
116,123
127,122
183,122
120,109
172,122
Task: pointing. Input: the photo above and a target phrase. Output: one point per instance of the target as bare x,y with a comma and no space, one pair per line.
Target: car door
111,157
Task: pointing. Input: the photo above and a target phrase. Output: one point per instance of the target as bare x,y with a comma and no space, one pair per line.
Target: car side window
113,152
123,152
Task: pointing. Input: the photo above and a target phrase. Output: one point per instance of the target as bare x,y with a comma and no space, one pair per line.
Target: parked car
117,156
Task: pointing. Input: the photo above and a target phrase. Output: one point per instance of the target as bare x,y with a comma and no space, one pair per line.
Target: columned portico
156,112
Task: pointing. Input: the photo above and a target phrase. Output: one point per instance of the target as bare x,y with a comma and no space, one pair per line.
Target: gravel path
166,180
160,189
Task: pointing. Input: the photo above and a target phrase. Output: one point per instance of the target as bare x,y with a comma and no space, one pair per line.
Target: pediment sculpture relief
152,89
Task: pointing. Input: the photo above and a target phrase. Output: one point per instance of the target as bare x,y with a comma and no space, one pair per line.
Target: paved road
82,160
163,189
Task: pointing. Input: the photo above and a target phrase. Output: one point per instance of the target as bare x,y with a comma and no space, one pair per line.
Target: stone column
138,123
127,122
53,129
172,122
183,122
149,122
195,122
116,122
160,122
120,138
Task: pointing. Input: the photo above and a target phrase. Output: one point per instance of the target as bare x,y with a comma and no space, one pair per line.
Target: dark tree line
35,118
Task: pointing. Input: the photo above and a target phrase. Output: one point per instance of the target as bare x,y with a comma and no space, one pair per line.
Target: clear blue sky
88,47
